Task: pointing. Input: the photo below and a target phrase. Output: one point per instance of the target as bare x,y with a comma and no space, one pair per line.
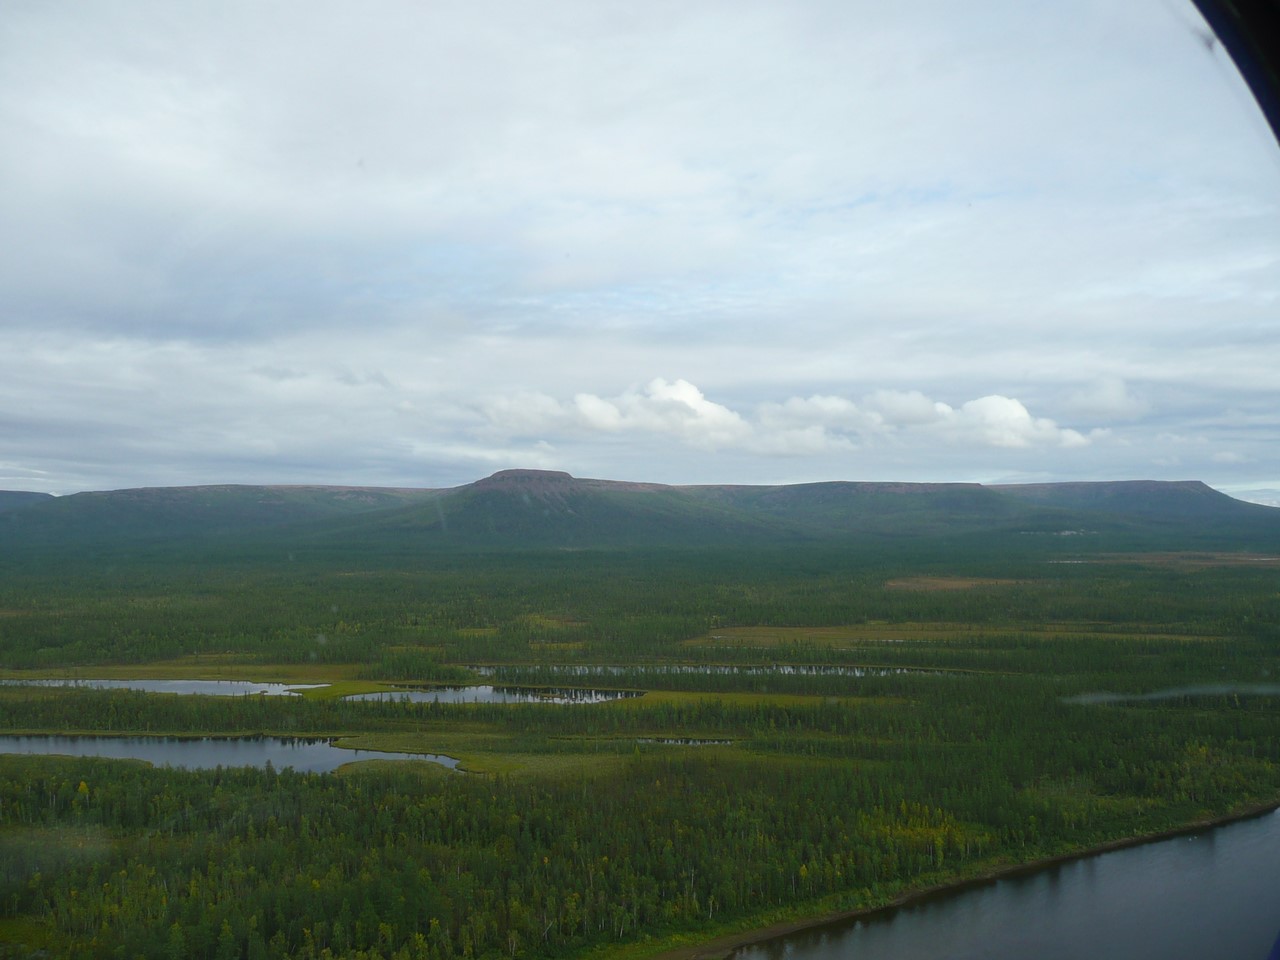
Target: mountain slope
539,508
182,513
535,509
1168,499
17,499
884,509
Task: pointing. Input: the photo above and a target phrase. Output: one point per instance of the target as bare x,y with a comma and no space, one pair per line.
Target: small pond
699,669
209,688
1176,693
483,693
205,753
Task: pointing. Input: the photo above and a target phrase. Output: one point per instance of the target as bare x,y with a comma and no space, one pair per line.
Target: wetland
208,753
841,743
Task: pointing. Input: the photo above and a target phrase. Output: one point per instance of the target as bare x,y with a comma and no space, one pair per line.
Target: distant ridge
1140,497
537,480
537,509
177,513
16,499
527,478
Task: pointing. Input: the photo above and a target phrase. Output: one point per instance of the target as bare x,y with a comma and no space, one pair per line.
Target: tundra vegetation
721,799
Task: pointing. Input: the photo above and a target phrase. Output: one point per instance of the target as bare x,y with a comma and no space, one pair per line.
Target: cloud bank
728,241
798,426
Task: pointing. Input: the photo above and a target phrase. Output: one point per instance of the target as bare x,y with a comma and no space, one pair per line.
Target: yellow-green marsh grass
550,621
876,632
34,936
425,769
345,688
482,751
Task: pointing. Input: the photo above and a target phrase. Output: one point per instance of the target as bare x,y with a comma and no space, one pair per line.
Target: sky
413,243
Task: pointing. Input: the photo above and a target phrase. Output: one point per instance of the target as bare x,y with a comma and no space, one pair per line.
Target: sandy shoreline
720,947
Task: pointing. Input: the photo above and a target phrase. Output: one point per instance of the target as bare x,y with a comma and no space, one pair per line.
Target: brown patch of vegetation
872,632
947,583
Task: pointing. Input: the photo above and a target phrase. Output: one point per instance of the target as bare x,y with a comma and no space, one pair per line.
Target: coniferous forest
822,727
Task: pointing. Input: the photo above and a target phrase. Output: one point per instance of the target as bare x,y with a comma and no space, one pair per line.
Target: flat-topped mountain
515,509
1182,498
546,481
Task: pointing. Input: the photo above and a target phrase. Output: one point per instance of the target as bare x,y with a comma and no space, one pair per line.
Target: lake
205,753
478,693
700,669
1209,896
210,688
483,693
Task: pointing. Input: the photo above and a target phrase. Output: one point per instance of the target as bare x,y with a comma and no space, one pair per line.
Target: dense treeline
239,863
725,792
816,797
477,608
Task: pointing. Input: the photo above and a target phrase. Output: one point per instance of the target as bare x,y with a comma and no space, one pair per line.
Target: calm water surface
478,693
205,753
1213,896
212,688
701,669
484,693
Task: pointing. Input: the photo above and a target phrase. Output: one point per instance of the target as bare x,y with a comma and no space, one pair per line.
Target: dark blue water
205,753
1213,896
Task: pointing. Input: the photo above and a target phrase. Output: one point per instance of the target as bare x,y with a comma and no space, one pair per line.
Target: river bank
719,948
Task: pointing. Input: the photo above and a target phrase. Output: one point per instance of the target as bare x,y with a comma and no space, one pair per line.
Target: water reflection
206,753
210,688
699,669
1174,693
484,693
1186,898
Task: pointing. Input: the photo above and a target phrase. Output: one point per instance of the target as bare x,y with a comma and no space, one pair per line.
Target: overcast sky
412,243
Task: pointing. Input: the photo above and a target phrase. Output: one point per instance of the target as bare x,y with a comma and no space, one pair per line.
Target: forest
822,727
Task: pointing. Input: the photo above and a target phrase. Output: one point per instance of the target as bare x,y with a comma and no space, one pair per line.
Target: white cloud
676,408
598,413
797,426
1003,422
226,258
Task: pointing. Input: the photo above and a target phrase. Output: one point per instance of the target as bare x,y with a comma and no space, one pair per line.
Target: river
1209,896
